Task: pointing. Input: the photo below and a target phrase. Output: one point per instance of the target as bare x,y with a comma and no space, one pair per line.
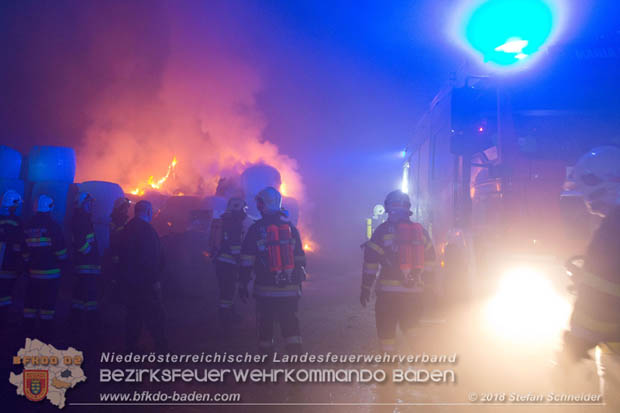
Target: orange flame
156,184
308,245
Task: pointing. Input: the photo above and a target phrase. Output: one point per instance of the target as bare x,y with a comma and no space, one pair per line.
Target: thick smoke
130,84
200,108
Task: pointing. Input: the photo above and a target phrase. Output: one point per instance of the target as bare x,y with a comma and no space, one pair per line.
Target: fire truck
487,165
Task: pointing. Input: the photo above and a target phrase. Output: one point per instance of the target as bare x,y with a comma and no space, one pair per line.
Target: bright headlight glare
527,307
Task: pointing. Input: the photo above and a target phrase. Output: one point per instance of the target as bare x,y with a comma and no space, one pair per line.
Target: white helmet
378,210
596,177
11,199
45,203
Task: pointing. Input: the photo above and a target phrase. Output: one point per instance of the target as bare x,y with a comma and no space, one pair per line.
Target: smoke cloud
200,108
133,84
222,84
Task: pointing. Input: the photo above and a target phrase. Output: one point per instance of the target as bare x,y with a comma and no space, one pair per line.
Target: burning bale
183,221
51,170
151,183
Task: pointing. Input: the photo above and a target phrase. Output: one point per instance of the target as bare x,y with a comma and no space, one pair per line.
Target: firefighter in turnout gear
403,253
45,252
273,250
86,268
11,247
226,236
596,315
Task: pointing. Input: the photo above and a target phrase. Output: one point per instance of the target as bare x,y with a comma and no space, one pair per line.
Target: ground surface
332,321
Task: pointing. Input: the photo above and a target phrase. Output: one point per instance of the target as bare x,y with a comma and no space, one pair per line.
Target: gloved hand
299,275
243,292
365,296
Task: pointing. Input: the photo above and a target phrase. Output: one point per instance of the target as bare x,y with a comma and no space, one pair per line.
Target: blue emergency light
507,32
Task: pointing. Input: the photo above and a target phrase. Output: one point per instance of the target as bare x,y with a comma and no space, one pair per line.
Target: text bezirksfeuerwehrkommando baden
331,358
302,375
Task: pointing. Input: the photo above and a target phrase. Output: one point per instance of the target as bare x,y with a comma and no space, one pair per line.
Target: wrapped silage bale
256,178
10,163
51,163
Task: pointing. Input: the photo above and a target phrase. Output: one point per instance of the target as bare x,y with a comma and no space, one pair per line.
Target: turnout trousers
84,314
40,304
7,283
396,310
227,275
283,311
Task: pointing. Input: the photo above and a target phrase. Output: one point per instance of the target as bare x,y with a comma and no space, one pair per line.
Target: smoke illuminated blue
506,32
404,185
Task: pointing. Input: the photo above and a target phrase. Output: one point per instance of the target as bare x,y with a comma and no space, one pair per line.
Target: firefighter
11,246
403,251
45,252
141,262
86,269
272,249
227,234
595,321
